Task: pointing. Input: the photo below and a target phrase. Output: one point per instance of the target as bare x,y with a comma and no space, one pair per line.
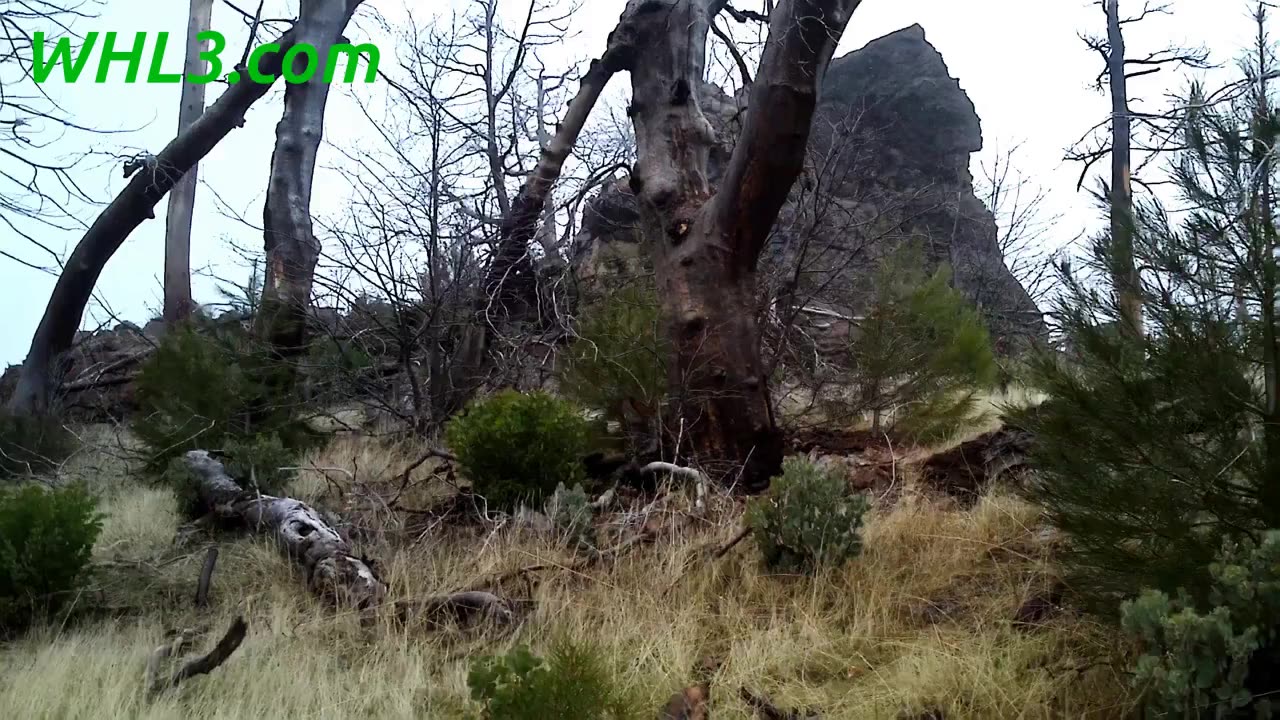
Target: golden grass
921,621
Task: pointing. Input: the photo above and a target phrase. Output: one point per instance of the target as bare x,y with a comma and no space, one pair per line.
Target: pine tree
921,352
1153,450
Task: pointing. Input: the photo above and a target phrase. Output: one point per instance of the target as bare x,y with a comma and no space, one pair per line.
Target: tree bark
135,203
289,239
333,572
706,246
178,303
1126,279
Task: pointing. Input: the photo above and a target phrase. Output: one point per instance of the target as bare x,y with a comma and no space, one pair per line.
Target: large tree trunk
177,237
333,572
706,247
291,245
134,204
1125,273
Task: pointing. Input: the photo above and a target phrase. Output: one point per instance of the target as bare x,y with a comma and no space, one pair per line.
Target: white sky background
1020,61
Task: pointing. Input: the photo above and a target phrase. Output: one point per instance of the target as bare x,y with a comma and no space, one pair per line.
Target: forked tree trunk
135,204
706,246
290,242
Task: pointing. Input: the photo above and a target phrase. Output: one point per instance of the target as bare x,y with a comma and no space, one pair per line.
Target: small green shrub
32,445
570,513
518,447
216,388
572,682
1222,663
922,352
809,518
46,537
618,363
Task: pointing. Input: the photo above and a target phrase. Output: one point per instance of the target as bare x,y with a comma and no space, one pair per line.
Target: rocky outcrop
888,163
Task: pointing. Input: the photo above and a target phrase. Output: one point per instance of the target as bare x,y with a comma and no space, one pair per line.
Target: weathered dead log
332,570
135,204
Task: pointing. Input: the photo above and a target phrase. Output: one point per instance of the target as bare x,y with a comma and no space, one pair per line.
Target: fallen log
333,572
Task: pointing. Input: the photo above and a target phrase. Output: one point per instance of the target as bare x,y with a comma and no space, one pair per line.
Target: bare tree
292,249
177,240
1018,205
152,178
1118,69
38,191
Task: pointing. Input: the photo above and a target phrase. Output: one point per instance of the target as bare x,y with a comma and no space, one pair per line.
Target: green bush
32,445
216,388
1223,662
618,363
572,682
517,447
46,537
921,351
809,519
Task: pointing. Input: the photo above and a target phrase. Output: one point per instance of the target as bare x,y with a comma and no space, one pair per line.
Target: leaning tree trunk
333,571
291,245
509,280
134,204
706,245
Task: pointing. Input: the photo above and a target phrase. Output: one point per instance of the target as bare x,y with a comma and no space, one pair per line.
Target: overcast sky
1020,61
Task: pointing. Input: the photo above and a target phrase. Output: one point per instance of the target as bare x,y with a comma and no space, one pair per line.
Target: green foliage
32,445
573,681
1223,662
618,363
921,350
46,538
216,388
809,519
1155,448
570,513
518,447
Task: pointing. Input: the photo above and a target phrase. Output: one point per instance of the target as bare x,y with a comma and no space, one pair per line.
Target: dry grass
920,622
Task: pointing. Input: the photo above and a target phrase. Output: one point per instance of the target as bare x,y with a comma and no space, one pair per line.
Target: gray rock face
888,163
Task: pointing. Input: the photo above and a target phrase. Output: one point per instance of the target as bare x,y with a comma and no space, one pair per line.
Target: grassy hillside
922,622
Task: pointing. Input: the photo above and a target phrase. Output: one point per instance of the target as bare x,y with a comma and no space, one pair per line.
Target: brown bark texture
135,204
177,238
706,245
332,569
289,238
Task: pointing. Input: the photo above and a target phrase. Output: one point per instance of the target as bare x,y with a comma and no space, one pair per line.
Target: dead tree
135,204
705,244
1118,69
292,249
38,190
177,237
